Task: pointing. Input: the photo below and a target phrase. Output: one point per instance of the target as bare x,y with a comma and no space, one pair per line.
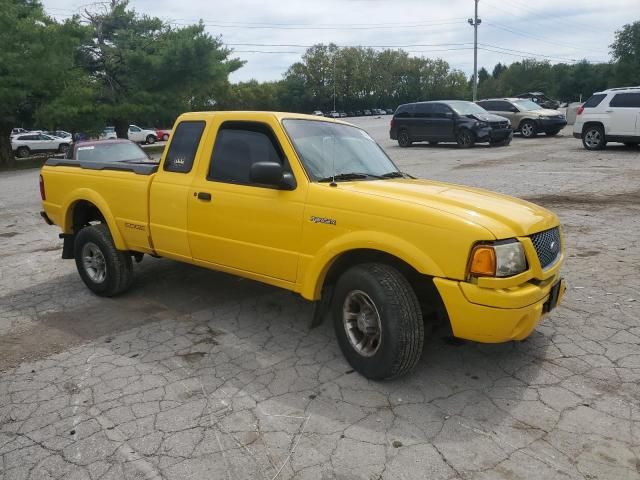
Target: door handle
206,196
608,111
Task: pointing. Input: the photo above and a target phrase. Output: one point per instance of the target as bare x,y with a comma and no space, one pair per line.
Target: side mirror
271,173
448,114
514,110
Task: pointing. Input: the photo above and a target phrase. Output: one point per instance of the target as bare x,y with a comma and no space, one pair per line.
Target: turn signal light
43,194
483,261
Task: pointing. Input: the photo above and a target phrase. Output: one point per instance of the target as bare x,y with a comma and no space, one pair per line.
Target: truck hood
503,216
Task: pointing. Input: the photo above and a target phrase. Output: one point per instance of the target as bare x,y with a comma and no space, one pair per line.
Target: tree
36,58
483,75
497,70
147,71
626,51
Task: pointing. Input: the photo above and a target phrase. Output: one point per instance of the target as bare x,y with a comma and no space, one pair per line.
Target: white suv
141,135
32,142
609,116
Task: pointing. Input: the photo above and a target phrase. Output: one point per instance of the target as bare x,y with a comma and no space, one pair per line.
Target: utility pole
474,22
334,83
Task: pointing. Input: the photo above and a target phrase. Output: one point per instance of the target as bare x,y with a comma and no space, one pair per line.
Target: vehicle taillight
43,195
580,110
393,122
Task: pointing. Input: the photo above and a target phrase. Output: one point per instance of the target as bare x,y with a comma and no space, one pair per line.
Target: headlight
501,259
483,124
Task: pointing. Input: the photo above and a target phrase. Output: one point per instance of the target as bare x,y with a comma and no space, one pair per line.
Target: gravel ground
196,374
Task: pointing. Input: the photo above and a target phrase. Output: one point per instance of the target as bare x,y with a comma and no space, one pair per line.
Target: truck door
169,191
238,224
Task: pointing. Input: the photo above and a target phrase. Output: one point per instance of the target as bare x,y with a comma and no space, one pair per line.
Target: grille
499,124
547,245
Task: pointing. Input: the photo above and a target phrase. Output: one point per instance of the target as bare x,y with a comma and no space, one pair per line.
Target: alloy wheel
362,323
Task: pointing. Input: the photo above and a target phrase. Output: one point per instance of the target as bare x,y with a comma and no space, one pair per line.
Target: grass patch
26,163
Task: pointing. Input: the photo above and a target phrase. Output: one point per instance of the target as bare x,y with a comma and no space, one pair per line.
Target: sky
271,35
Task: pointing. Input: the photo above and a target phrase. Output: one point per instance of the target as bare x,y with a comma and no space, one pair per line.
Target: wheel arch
86,206
592,123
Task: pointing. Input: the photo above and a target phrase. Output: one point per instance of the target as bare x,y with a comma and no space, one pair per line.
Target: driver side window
238,146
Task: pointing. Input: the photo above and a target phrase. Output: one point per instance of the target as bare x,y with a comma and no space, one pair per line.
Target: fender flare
316,271
88,195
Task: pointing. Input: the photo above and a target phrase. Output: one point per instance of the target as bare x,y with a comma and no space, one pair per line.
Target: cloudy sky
271,35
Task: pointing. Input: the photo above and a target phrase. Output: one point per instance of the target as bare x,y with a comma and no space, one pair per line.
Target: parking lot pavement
196,374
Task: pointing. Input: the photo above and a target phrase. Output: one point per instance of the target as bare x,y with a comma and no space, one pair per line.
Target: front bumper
496,316
552,124
489,134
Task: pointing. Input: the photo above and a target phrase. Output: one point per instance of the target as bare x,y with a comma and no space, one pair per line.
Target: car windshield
527,105
466,108
111,152
330,150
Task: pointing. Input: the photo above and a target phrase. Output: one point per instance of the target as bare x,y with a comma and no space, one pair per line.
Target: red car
162,134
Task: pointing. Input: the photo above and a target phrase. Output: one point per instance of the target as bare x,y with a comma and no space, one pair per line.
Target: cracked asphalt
195,374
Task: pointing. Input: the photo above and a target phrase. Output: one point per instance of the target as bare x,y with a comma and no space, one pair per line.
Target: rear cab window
594,100
183,147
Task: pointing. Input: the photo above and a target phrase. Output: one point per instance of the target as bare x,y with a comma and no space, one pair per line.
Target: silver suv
527,117
609,116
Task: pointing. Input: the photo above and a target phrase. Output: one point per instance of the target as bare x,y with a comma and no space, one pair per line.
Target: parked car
527,117
18,131
358,113
108,133
105,151
343,115
448,121
349,114
163,134
28,143
339,225
59,134
141,135
334,114
318,113
367,112
541,99
389,111
609,116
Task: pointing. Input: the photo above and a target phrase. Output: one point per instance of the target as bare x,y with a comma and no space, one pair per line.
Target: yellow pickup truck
315,206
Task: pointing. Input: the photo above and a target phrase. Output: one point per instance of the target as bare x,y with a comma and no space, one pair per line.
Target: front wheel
528,129
104,270
403,139
151,139
23,152
63,148
593,138
465,138
378,321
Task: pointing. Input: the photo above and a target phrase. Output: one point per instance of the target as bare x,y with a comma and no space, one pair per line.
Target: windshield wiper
396,174
349,176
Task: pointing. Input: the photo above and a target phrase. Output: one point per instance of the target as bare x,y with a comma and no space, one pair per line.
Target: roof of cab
248,115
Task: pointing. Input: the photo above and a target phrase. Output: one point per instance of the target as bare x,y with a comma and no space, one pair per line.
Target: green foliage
626,51
37,54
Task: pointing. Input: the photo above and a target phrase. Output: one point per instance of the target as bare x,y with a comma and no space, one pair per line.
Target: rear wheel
23,152
378,321
593,138
465,138
104,270
403,139
151,139
528,129
63,148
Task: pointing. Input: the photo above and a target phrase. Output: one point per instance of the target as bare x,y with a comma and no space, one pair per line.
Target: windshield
527,105
111,152
330,149
466,108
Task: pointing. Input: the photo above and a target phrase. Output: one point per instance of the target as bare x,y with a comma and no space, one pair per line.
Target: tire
465,138
395,315
165,137
151,139
23,152
593,138
63,147
103,269
403,139
528,129
552,133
